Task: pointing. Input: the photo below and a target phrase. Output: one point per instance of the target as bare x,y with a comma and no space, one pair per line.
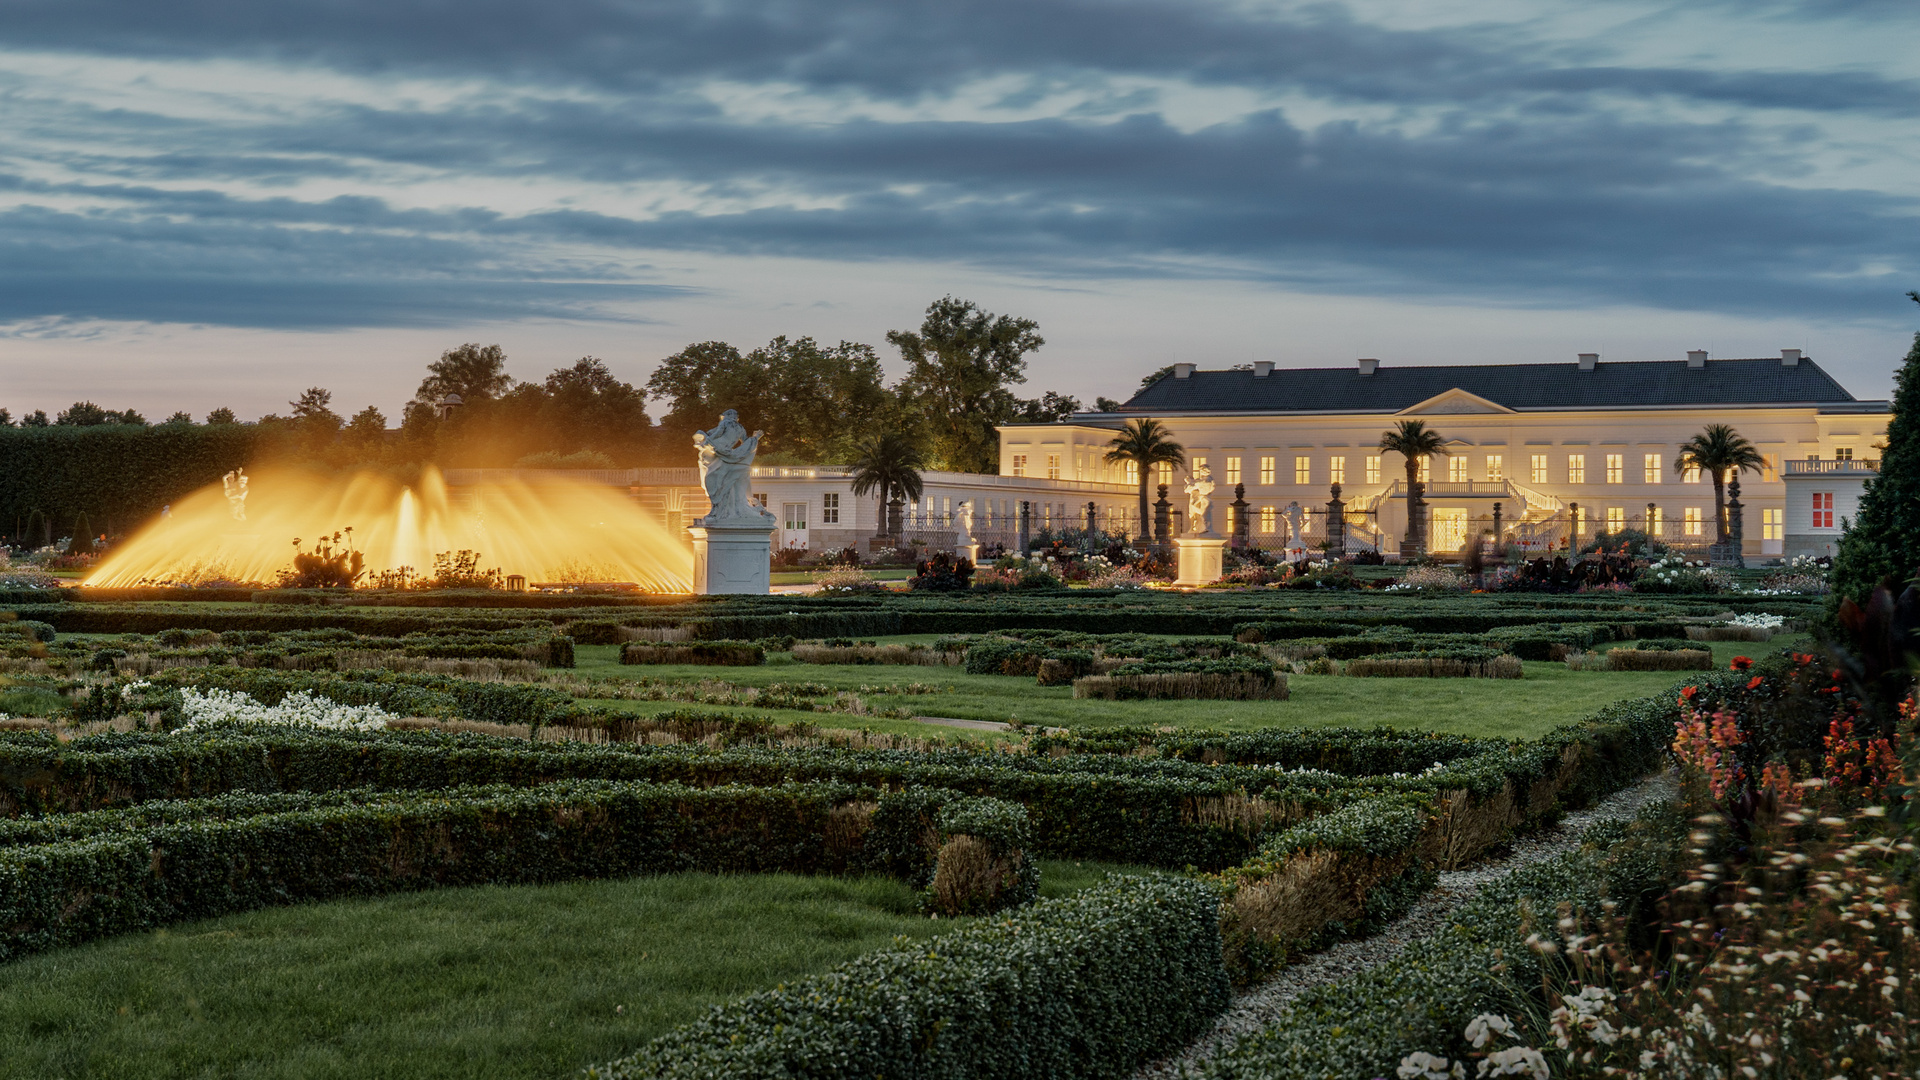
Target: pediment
1454,401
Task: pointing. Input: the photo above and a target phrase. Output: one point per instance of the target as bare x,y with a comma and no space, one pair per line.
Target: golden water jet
558,531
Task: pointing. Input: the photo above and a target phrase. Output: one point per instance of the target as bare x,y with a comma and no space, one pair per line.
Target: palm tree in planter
1416,442
1720,452
890,465
1145,443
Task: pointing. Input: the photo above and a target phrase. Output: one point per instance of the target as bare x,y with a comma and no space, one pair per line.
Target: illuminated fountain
558,531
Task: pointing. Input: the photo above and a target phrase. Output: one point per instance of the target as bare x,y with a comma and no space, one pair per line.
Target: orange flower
1740,663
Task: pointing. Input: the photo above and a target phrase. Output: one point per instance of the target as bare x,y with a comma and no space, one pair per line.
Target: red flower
1754,683
1741,663
1687,693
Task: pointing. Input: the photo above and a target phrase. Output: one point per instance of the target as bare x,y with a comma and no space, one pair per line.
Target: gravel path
1260,1006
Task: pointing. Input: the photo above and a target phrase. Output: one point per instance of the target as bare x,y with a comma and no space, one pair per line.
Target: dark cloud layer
1527,181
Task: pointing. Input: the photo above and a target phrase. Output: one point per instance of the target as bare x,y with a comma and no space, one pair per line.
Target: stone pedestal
731,558
969,552
1201,558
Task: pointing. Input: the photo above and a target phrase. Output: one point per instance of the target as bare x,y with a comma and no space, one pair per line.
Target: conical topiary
1884,539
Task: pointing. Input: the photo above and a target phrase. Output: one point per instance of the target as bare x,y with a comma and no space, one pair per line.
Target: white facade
1553,472
1821,497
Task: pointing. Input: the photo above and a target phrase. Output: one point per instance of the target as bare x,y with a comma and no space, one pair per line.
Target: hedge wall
94,875
1093,986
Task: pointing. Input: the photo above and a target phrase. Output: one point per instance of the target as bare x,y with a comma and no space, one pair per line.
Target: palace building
1553,452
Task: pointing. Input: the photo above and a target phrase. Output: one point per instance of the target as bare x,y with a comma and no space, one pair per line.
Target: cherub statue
1200,502
1296,525
963,523
235,484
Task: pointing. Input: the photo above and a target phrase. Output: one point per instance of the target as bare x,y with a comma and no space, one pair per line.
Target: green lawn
500,982
1514,708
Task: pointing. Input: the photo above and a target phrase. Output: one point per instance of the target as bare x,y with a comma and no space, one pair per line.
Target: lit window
1266,470
1616,468
1770,471
1456,468
1233,470
1266,519
1425,475
1651,469
1690,474
1233,525
1133,472
1771,525
1656,520
1336,470
1046,516
1579,521
1302,469
1616,518
1496,466
1823,509
1166,472
830,508
1843,453
1373,469
1537,469
1576,468
1053,466
1194,465
1690,521
1019,464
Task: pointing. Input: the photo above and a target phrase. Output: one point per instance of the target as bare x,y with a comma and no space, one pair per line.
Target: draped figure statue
1200,502
726,467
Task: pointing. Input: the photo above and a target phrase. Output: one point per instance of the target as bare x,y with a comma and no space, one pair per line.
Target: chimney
1262,368
1368,367
1696,358
1789,357
1589,360
1181,371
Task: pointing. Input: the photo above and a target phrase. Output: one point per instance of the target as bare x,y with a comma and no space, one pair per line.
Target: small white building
1823,495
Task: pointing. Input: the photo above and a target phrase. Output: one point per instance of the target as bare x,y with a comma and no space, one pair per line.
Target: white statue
1296,525
1199,504
726,466
963,524
236,487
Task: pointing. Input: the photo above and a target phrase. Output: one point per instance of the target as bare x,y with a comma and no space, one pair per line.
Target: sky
220,203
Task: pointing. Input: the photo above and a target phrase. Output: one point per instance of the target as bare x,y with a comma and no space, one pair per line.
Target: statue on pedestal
235,484
963,524
726,465
1199,502
1296,526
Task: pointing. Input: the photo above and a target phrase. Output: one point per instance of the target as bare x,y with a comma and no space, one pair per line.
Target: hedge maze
1257,845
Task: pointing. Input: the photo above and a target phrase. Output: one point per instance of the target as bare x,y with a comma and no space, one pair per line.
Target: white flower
299,709
1421,1065
1515,1061
1485,1026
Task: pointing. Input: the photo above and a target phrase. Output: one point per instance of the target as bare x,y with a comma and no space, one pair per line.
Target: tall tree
85,414
37,418
474,372
1719,451
1883,539
585,407
1145,443
800,392
959,365
1048,408
889,463
1414,441
222,415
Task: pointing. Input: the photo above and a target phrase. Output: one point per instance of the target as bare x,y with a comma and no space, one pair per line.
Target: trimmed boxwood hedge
93,875
1093,985
1422,999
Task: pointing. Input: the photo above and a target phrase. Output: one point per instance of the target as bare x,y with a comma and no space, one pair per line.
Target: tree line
818,403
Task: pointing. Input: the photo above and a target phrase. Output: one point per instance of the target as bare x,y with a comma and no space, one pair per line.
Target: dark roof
1517,386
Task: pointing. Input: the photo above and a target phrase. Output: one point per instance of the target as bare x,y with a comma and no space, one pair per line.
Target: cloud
552,151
